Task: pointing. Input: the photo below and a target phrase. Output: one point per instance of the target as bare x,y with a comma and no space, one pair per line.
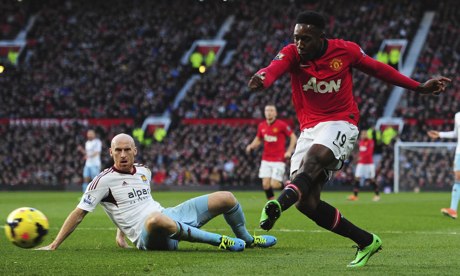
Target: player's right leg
318,149
310,173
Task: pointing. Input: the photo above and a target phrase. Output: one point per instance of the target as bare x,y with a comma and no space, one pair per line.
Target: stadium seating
118,60
440,56
38,157
106,60
14,17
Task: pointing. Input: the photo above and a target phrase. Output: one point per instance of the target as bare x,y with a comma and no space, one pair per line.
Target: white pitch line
284,230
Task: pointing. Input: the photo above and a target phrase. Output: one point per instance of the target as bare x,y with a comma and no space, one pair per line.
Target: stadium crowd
256,40
14,17
440,55
46,157
117,59
106,60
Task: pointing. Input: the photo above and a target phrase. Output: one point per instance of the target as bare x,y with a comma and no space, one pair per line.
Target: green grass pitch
417,240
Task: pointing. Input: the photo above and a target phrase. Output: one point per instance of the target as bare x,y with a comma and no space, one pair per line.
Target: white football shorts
274,170
338,136
365,171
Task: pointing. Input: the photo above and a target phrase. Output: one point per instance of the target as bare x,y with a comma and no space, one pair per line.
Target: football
26,227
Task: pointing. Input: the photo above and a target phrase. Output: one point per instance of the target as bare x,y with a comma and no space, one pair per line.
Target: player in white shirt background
452,211
92,153
124,193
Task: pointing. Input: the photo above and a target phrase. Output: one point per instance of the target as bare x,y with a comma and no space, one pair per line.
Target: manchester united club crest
336,64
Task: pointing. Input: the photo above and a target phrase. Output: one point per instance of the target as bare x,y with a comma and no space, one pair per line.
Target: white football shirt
125,198
92,147
454,133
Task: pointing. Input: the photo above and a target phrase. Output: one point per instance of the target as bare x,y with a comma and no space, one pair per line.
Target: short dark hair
311,18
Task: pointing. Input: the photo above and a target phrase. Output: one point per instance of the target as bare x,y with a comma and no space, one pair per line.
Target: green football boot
270,213
363,255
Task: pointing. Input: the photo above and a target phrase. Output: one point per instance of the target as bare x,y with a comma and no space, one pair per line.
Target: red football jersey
366,150
322,88
274,137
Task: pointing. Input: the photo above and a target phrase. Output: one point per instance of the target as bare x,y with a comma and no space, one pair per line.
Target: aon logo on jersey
270,138
322,86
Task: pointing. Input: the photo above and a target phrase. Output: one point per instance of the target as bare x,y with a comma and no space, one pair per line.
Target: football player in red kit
365,168
273,133
321,81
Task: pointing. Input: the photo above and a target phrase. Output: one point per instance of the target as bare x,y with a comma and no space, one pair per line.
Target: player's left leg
330,218
162,231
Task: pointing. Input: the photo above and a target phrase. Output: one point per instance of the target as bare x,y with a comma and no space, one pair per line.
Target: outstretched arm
388,74
266,76
72,221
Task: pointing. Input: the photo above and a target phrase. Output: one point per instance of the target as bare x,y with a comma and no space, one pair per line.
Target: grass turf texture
417,240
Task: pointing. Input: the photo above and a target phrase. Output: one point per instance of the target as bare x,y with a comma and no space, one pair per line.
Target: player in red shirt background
273,133
321,80
365,168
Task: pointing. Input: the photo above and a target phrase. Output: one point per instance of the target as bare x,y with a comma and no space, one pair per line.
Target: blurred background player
365,169
273,133
92,152
452,211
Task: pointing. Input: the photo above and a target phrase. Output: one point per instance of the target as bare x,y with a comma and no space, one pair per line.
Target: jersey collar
118,171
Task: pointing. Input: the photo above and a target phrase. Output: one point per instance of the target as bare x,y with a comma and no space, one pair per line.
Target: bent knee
221,201
157,220
227,198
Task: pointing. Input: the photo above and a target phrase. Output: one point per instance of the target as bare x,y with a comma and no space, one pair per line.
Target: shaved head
123,150
122,137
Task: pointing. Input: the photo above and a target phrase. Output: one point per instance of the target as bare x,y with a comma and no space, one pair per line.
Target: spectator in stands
104,54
